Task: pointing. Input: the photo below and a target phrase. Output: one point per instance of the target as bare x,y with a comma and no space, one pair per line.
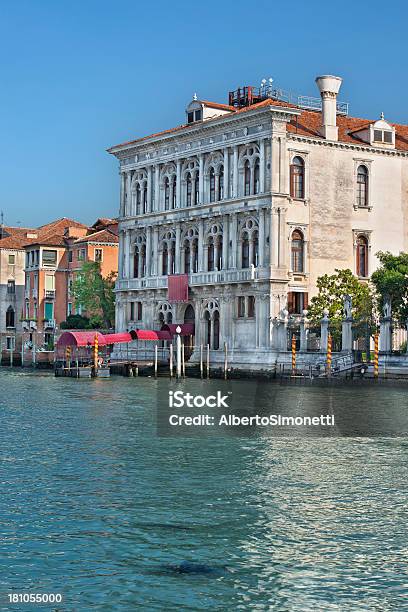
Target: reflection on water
95,505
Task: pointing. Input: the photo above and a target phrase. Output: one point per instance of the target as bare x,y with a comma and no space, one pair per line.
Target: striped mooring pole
68,357
376,336
329,354
96,352
293,353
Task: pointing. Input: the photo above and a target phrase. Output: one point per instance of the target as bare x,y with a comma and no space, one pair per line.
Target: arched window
362,186
297,178
136,263
216,323
297,252
188,189
174,194
145,198
138,199
247,178
212,185
256,177
221,184
187,257
10,317
218,263
165,259
207,319
197,188
166,194
143,260
362,256
245,250
255,249
173,257
210,255
195,255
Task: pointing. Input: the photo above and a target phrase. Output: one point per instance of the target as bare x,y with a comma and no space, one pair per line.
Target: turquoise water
94,505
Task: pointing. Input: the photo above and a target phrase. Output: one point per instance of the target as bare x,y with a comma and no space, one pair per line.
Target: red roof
117,338
80,338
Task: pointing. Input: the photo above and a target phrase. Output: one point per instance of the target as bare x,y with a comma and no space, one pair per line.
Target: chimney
329,88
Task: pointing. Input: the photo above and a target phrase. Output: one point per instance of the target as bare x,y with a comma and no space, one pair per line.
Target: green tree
95,293
332,289
391,280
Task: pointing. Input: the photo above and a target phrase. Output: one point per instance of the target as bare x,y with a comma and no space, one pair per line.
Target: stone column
122,194
157,187
262,165
155,271
178,189
235,168
233,239
148,250
121,253
225,242
177,262
346,330
201,245
226,174
128,204
261,237
201,179
149,189
304,332
324,331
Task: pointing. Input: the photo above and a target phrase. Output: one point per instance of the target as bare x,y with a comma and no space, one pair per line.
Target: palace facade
253,200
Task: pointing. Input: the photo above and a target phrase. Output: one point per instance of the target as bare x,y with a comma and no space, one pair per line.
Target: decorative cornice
346,145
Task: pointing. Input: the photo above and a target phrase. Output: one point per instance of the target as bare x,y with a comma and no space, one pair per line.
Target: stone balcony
216,277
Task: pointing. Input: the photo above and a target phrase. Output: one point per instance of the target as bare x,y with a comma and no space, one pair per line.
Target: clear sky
78,77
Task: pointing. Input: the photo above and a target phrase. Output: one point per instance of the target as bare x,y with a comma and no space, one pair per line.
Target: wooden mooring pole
293,354
376,336
155,360
225,360
171,360
183,360
329,354
201,361
208,361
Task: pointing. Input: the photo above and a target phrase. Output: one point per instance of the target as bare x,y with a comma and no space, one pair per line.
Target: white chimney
329,88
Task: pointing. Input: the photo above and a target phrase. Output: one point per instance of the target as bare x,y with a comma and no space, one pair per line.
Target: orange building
51,263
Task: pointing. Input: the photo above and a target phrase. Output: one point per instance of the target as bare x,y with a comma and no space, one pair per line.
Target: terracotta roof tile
104,235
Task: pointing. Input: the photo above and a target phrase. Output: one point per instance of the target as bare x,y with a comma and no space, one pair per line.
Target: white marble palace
253,200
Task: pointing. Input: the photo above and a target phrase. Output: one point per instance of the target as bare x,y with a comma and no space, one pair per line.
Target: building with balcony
247,204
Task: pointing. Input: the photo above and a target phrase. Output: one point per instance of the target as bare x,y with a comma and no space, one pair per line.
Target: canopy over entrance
150,334
81,338
118,338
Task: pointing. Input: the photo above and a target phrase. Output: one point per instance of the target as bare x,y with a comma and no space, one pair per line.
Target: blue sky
78,77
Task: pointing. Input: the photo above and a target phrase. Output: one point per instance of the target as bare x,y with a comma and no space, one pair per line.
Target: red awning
117,338
187,329
149,334
80,338
177,287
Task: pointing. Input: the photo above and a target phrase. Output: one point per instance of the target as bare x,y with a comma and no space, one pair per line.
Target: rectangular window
12,260
98,254
10,343
81,254
49,282
139,311
49,257
251,306
69,256
241,306
388,137
378,135
132,311
198,115
27,309
48,311
11,287
190,117
297,302
69,309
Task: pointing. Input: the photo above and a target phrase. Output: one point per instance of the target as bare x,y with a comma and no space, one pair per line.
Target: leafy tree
332,289
95,293
391,280
76,322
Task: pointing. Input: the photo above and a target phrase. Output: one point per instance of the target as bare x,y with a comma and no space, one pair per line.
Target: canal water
97,506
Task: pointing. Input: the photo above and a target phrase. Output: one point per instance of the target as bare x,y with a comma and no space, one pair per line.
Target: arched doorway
189,317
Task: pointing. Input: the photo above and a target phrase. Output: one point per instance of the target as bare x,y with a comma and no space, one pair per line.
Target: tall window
212,185
143,260
221,184
138,199
255,243
174,195
362,186
195,255
165,259
145,198
241,306
10,317
197,188
216,340
362,256
251,306
187,257
188,189
210,256
11,286
256,177
247,178
297,178
166,194
218,263
136,263
297,251
245,250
